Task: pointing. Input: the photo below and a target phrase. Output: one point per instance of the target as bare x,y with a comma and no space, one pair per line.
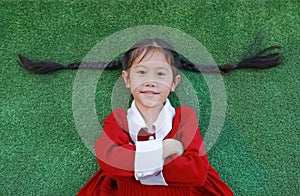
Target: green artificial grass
42,153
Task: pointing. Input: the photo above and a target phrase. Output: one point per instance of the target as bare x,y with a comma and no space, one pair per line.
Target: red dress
187,175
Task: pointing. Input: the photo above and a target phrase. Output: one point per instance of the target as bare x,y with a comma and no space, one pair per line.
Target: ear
175,83
125,76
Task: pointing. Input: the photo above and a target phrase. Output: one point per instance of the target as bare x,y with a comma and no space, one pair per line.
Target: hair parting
264,59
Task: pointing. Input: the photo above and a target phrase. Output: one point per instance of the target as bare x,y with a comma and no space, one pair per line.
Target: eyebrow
144,65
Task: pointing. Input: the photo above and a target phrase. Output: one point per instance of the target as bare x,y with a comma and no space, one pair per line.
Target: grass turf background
42,153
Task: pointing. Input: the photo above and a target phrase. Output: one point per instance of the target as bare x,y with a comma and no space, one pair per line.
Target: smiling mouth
149,93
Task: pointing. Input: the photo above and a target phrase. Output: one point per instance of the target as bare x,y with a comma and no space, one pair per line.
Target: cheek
135,83
166,84
165,90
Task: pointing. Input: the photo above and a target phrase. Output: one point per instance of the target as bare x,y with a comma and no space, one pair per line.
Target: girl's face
150,80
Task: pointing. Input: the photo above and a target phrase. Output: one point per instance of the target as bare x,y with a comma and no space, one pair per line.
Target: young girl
153,148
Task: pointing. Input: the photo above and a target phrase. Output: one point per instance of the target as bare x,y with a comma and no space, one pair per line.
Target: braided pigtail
188,65
44,67
262,60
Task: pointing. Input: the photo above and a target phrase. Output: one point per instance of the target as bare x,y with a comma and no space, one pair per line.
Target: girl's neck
149,114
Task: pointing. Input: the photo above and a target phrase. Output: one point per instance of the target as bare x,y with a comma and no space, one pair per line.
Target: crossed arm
183,164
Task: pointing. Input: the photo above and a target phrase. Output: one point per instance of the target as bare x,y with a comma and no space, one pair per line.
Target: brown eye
141,72
161,74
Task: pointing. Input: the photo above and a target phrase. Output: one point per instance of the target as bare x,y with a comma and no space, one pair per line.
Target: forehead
154,56
152,65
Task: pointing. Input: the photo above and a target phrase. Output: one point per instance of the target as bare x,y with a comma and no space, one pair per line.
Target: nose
150,83
150,80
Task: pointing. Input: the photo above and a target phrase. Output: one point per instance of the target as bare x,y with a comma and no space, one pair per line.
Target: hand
172,146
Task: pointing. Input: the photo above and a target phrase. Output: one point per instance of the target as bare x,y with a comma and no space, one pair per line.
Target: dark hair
148,47
262,60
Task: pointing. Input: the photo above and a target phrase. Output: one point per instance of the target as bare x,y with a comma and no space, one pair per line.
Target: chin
152,105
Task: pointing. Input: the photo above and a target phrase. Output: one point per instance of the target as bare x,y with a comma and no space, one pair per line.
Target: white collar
162,126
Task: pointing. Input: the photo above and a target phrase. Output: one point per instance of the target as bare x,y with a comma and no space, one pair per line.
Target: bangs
148,47
145,52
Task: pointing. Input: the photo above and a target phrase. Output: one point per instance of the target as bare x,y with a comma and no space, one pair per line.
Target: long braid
261,60
96,65
188,65
44,67
258,61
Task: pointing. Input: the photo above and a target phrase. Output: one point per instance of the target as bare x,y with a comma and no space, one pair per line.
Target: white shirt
148,157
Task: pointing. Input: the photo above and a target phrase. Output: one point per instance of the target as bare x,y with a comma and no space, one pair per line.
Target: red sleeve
192,166
114,151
